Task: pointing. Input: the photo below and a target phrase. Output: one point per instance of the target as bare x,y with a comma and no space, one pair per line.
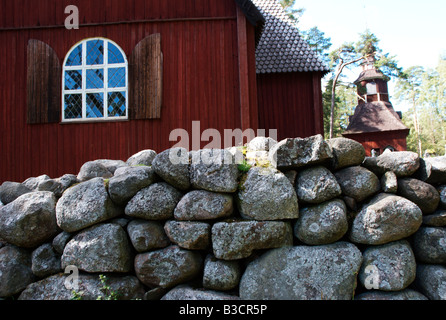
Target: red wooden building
375,124
135,70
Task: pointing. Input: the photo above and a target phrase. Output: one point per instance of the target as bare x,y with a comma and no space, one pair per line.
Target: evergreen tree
293,13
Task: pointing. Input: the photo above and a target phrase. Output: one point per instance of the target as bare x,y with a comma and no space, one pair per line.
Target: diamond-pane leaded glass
95,105
116,104
95,52
114,54
73,80
116,77
75,57
73,106
95,78
95,81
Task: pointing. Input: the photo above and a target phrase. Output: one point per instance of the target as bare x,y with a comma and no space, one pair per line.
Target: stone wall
299,219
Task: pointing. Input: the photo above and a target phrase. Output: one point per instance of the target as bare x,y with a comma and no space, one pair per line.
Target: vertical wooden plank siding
249,116
380,140
317,100
286,103
200,79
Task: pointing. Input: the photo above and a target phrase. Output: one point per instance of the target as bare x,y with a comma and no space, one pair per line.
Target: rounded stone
322,224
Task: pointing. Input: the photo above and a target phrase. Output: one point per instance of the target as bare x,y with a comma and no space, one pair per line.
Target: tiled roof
281,47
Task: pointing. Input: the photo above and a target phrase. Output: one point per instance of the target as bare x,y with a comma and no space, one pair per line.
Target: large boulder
190,235
385,218
147,235
29,220
155,202
442,191
101,248
221,275
57,186
45,261
430,281
389,182
298,152
204,205
186,292
267,194
316,185
84,205
142,158
429,245
388,267
421,193
90,287
346,152
33,182
93,169
437,219
15,270
237,239
322,224
123,186
432,170
167,267
358,182
60,241
406,294
172,166
261,144
303,273
9,191
402,163
214,170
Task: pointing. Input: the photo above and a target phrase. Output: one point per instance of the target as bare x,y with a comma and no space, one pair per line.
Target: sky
412,30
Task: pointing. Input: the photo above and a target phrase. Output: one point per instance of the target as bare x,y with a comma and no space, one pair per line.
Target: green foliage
367,44
345,103
293,14
76,295
244,166
109,294
346,52
424,91
318,42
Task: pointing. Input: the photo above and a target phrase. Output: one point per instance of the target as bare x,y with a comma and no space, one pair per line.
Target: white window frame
105,90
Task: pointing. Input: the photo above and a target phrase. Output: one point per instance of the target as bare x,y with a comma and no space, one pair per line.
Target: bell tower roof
369,71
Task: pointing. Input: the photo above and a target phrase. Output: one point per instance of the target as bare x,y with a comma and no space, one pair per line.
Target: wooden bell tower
371,84
375,124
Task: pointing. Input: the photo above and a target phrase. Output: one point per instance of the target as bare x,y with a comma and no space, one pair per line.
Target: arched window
95,82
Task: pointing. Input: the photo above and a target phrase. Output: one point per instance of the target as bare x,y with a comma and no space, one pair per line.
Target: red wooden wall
290,103
201,78
380,140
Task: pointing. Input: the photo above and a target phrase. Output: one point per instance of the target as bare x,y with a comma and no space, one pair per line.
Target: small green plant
109,293
76,295
244,166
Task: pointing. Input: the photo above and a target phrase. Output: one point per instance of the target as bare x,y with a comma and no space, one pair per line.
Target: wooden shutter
43,84
146,79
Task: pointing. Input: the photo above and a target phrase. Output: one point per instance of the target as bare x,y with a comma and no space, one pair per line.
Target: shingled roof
281,47
374,117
